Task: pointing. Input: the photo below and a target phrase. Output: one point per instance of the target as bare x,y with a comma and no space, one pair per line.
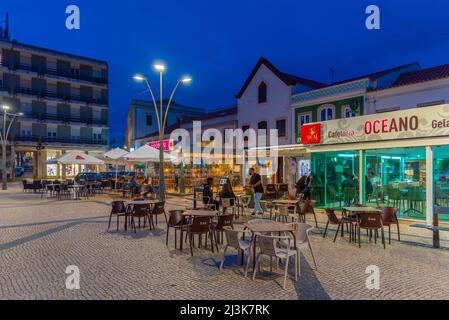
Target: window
96,74
262,93
348,113
281,127
326,114
26,133
97,136
149,120
304,118
262,125
51,136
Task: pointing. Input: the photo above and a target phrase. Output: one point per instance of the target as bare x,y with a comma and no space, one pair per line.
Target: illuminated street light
186,80
5,107
161,117
159,67
138,77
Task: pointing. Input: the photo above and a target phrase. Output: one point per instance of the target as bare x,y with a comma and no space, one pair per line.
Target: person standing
256,183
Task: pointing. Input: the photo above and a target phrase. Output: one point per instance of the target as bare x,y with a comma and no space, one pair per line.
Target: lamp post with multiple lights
161,117
4,140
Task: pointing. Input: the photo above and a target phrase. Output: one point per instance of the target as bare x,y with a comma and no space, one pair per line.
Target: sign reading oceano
405,124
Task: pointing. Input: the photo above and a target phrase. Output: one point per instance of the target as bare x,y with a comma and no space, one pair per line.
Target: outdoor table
356,210
270,226
200,213
133,202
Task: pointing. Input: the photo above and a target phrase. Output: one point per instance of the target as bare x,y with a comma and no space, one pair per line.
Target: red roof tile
423,75
375,75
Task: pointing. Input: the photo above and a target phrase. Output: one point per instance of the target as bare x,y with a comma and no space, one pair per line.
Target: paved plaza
39,238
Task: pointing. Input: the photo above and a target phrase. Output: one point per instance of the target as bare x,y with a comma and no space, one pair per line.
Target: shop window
335,178
281,127
326,114
262,93
397,177
441,178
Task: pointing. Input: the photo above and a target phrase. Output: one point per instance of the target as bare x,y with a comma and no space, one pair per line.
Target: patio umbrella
76,157
115,156
146,154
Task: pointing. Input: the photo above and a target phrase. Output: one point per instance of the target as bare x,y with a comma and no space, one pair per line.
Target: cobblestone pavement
40,238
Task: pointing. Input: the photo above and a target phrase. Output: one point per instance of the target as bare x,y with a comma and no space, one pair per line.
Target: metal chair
234,240
269,245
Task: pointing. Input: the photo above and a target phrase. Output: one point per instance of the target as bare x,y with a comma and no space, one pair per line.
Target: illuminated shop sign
168,145
405,124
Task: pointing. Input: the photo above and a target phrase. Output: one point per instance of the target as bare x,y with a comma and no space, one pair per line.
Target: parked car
88,176
19,171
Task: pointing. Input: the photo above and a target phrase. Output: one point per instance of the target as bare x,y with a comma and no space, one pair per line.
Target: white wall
277,107
407,97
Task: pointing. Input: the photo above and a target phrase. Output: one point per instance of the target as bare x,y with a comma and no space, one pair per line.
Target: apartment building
64,101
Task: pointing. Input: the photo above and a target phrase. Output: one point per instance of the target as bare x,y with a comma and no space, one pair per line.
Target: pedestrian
308,187
256,183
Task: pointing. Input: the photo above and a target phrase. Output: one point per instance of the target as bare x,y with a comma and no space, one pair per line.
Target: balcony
65,118
38,139
54,95
54,72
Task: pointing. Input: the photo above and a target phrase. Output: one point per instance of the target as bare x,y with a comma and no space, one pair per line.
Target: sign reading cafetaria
405,124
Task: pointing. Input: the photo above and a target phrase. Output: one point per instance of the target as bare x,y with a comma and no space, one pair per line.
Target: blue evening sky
219,42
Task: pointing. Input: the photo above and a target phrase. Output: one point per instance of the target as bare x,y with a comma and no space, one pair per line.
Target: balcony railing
55,95
59,140
65,118
53,72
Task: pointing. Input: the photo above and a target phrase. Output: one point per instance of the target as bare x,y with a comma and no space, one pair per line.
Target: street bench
435,228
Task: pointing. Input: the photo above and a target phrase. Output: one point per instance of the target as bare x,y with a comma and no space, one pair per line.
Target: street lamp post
4,140
161,117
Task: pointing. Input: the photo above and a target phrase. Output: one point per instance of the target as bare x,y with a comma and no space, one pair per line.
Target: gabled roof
288,79
434,73
376,75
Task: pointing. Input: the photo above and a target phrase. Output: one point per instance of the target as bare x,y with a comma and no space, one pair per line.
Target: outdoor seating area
357,217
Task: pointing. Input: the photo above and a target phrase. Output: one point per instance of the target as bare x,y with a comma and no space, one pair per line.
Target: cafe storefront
397,158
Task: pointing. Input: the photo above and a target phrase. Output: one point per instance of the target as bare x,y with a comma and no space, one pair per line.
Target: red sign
311,133
168,144
79,158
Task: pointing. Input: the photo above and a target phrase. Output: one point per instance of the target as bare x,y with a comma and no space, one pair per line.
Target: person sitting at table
133,185
147,188
208,194
226,191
